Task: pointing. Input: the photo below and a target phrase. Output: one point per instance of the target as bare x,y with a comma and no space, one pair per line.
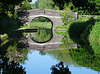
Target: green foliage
85,33
61,55
86,7
84,58
61,27
94,36
8,24
67,42
43,35
95,32
83,7
9,48
61,3
8,5
26,5
11,67
41,19
66,16
45,4
41,24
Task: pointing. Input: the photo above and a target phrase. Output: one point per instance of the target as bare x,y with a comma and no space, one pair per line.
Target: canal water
41,64
43,54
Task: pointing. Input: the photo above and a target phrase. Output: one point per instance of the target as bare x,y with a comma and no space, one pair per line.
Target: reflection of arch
52,44
51,36
50,30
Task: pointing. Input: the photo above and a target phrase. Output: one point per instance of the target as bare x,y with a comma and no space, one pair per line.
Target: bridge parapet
44,12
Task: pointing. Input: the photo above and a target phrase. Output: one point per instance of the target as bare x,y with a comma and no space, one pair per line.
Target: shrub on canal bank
85,32
8,24
94,36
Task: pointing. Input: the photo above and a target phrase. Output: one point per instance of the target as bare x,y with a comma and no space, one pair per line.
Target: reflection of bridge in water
50,45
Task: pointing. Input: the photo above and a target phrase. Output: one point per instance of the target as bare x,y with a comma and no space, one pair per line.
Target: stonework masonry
27,16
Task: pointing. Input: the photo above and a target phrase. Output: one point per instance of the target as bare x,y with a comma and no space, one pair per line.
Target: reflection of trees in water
85,56
9,62
43,35
11,68
11,55
80,31
17,55
60,69
82,57
61,55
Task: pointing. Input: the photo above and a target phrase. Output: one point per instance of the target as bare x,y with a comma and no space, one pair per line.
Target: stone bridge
27,16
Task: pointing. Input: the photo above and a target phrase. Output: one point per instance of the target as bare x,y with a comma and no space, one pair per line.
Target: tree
60,3
80,6
45,4
9,5
26,5
86,6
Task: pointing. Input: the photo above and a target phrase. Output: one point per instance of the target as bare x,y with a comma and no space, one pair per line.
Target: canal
45,52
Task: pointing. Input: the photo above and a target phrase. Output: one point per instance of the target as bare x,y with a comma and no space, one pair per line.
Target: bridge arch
53,15
54,19
44,17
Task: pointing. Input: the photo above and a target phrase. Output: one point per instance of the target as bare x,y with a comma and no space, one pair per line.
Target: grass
61,27
41,24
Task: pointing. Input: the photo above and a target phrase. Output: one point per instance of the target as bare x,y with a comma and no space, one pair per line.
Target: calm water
40,57
41,64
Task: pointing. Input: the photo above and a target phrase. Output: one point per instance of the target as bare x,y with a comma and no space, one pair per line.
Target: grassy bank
85,32
94,36
41,24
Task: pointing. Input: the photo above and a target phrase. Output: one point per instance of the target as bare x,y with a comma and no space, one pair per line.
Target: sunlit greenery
84,58
83,7
61,55
84,32
94,36
41,24
45,4
9,47
43,35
